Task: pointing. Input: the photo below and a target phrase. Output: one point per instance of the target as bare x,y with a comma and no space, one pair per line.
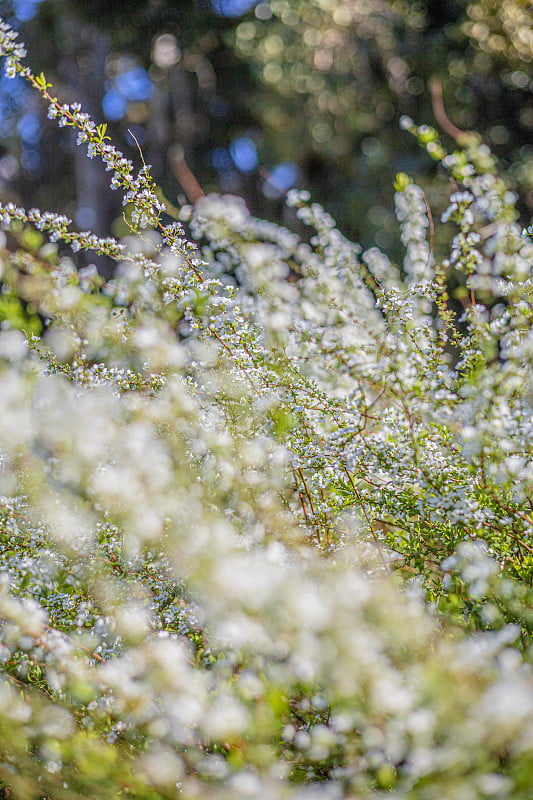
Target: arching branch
182,173
437,103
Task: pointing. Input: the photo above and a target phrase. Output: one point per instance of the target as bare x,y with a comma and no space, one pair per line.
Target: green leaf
402,181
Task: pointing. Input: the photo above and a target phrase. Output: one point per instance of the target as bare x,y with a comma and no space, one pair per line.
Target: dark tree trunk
84,65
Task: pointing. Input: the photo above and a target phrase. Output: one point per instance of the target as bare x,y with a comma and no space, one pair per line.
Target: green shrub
266,505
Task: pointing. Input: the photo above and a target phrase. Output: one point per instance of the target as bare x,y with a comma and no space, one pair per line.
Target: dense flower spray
266,505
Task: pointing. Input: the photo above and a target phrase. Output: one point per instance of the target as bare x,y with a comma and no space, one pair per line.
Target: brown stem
512,535
439,111
367,517
184,176
76,644
301,495
301,474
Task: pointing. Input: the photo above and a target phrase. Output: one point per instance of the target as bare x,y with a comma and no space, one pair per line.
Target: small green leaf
101,132
402,181
40,80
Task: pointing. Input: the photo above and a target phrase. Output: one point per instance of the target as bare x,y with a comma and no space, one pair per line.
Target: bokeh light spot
25,9
165,52
280,179
29,129
114,105
134,84
244,154
232,8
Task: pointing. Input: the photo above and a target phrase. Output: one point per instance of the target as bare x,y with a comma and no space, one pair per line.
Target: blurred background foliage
263,96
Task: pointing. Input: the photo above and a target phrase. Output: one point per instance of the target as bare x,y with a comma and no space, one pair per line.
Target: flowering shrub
266,505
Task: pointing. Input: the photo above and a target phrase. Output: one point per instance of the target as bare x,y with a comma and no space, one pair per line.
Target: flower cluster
57,225
12,50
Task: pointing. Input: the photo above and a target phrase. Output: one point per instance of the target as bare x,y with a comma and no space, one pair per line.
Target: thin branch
76,644
182,173
138,146
308,493
439,111
367,517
